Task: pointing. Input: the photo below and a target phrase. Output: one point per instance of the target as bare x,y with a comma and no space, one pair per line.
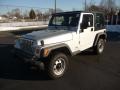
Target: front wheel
57,65
99,48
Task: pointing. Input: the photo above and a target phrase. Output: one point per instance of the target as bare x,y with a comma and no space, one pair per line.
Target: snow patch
113,28
20,28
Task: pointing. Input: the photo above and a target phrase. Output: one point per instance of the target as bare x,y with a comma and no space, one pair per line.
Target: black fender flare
56,47
98,36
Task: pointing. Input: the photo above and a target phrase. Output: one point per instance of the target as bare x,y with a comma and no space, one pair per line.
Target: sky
63,4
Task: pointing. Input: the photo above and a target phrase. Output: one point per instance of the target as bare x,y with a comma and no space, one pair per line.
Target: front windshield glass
65,19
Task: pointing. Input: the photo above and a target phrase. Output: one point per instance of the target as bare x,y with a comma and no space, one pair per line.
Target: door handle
91,29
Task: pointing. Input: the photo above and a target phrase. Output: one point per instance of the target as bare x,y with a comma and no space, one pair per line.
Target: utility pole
55,6
55,13
85,5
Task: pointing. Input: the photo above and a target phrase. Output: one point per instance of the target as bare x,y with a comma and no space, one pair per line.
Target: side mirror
83,25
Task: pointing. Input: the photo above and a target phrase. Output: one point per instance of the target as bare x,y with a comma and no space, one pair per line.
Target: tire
99,48
57,65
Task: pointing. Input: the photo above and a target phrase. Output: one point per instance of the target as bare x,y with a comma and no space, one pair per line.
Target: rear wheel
57,65
99,48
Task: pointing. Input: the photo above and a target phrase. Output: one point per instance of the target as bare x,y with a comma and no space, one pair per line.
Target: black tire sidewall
54,57
97,47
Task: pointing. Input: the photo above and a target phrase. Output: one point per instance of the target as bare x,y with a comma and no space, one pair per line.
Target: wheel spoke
59,61
101,46
59,66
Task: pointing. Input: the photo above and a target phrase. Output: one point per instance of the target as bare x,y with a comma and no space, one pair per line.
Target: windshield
65,19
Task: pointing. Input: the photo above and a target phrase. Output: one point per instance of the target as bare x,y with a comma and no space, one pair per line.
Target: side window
99,22
88,20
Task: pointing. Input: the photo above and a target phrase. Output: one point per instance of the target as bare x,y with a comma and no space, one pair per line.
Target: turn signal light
46,52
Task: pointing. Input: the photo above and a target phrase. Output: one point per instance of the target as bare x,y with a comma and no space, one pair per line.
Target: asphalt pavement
87,71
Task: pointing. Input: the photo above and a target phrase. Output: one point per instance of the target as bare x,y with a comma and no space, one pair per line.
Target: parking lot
87,71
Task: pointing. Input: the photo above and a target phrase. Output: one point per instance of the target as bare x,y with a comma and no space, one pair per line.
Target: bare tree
108,5
38,14
26,14
16,13
9,14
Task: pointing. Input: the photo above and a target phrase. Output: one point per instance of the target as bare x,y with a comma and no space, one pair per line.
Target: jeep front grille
27,45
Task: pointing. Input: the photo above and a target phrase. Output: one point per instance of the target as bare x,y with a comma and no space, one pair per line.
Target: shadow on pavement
113,36
15,69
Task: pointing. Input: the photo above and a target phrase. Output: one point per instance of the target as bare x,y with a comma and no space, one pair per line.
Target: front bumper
24,55
29,58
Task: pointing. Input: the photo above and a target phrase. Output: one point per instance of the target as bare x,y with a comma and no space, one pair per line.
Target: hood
50,36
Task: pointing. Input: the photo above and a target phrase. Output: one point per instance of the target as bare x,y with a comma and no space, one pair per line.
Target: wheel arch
102,35
63,48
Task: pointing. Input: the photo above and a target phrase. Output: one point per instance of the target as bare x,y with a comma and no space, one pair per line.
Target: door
86,34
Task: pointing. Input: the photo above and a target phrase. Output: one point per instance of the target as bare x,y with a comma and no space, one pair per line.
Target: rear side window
99,21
